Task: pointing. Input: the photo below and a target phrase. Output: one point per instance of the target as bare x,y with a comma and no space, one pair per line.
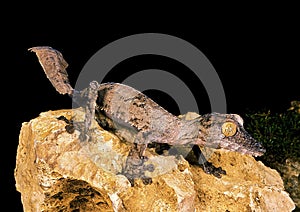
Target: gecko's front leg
135,167
207,167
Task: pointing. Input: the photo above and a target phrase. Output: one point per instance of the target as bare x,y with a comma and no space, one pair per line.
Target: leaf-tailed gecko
136,118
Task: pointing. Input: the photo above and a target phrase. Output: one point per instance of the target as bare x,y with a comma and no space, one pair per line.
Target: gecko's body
145,122
136,118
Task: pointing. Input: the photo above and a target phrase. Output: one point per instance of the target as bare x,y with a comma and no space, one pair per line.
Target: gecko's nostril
262,149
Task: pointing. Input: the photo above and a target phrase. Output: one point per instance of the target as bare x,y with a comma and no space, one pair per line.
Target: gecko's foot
196,157
83,137
135,167
209,168
70,125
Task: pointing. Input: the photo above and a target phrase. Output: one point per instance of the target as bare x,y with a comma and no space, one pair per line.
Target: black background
257,62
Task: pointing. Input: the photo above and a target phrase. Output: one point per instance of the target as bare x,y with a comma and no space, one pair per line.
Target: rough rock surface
56,172
290,173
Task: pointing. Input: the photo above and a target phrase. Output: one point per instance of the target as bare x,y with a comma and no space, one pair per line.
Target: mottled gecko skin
137,119
145,122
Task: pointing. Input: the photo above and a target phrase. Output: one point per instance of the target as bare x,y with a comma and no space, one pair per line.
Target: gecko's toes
147,180
209,168
131,180
150,167
83,137
70,128
144,158
135,168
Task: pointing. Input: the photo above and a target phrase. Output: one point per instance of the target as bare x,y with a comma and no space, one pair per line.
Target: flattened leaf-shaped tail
54,66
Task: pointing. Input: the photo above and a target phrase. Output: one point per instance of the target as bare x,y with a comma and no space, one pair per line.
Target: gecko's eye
229,129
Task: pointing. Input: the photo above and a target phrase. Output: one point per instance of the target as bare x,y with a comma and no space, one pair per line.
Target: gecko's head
226,131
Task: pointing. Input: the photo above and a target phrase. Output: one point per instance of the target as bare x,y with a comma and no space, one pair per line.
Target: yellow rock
56,172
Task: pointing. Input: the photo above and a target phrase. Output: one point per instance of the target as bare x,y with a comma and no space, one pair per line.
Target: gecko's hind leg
135,166
207,167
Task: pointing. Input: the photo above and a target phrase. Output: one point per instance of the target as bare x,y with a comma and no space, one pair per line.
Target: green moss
278,132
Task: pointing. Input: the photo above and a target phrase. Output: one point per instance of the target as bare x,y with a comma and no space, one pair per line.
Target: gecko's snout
260,149
252,147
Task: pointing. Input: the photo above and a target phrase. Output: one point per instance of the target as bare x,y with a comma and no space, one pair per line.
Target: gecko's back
129,107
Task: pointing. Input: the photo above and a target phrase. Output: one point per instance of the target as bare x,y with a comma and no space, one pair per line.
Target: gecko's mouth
248,146
251,146
257,151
